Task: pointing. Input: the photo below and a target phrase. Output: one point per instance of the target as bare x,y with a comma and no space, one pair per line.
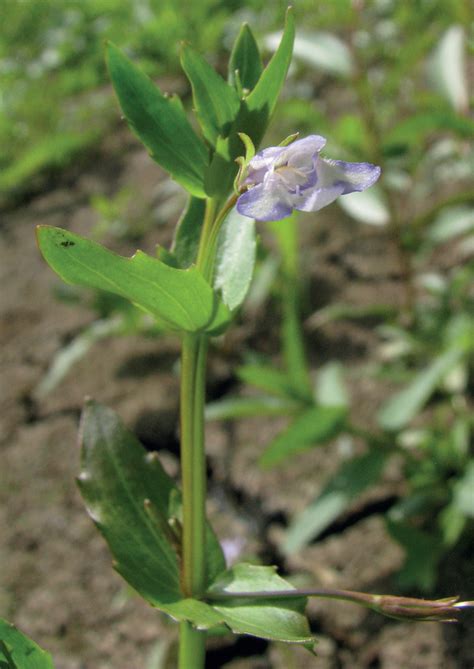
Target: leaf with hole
17,651
182,300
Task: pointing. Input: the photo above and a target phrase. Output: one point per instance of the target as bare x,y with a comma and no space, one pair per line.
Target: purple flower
283,178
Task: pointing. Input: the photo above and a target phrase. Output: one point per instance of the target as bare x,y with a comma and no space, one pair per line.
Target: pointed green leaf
17,651
253,117
311,428
235,262
349,482
159,123
245,59
399,410
132,500
216,103
268,618
261,102
182,299
188,232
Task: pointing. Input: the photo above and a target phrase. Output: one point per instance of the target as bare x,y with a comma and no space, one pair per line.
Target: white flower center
292,177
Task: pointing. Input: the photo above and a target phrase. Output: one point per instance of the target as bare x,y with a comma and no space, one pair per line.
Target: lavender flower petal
261,163
353,176
316,199
303,150
265,202
280,179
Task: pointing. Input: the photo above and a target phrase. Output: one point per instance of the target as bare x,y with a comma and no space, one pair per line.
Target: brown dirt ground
56,580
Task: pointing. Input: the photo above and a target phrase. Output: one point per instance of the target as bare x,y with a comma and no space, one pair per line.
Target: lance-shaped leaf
179,299
216,103
136,506
253,117
17,651
311,428
269,618
245,63
260,103
159,122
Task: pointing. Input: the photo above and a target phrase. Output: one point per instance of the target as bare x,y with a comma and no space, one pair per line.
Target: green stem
192,642
193,459
402,608
210,234
193,466
208,224
192,649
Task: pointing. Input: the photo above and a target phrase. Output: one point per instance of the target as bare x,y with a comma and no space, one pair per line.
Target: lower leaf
268,618
136,506
17,651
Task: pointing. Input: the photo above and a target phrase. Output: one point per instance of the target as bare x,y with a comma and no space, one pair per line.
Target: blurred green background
56,102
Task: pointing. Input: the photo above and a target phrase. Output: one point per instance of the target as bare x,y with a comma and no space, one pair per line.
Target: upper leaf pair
244,104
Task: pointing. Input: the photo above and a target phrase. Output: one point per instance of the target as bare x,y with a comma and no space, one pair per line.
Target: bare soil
56,579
